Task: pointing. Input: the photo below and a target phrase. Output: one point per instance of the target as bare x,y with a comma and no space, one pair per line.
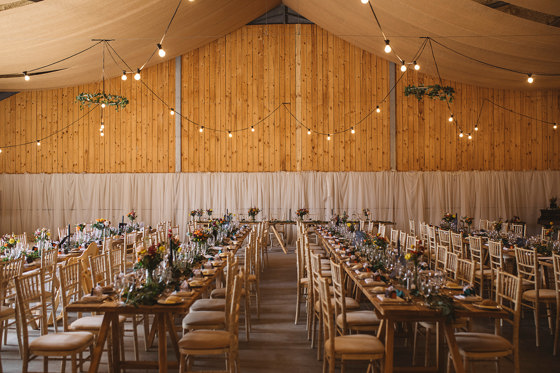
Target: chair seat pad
201,318
219,293
252,278
209,305
486,272
205,340
359,318
304,281
356,344
351,304
547,295
90,323
326,273
482,342
67,341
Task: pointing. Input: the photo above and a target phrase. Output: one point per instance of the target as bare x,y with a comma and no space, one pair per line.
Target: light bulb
309,132
352,130
365,1
450,118
25,76
137,75
476,128
171,112
102,127
416,66
403,67
252,129
469,136
555,126
103,106
101,134
230,134
461,134
124,77
161,52
530,78
388,48
0,150
378,109
38,143
201,129
329,137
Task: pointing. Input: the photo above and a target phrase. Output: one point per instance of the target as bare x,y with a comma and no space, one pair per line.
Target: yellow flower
407,256
349,224
12,241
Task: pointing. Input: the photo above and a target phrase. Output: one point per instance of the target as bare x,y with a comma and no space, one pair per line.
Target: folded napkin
92,299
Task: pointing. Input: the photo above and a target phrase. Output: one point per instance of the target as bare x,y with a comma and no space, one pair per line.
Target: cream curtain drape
30,201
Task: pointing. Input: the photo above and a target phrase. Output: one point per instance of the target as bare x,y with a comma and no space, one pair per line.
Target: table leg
115,335
453,349
101,338
273,228
389,344
162,343
172,334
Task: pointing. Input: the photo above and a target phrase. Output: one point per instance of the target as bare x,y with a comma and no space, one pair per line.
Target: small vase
150,280
253,218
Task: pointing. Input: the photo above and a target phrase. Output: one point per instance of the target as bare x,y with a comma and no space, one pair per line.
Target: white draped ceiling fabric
30,201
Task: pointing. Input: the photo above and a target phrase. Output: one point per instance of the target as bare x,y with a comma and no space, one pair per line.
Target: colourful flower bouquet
131,216
415,254
366,213
344,217
193,213
351,227
467,220
80,227
9,241
199,212
200,236
42,234
151,257
100,224
253,212
380,241
31,255
209,212
301,213
449,217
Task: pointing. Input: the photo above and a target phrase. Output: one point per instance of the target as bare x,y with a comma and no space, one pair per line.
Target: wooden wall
138,138
240,79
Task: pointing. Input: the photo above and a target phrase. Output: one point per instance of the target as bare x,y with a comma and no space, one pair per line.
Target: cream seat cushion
547,295
67,341
359,318
205,340
201,318
6,311
356,344
482,342
351,304
209,305
486,272
218,293
91,323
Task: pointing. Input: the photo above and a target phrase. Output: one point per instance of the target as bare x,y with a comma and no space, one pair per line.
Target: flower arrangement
436,91
131,216
498,225
415,254
31,255
199,212
200,235
80,227
193,213
449,217
366,213
101,224
9,241
351,227
467,220
87,99
344,217
253,212
151,257
380,241
302,212
515,219
209,212
42,234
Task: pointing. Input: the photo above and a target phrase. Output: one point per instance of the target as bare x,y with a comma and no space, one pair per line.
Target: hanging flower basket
87,99
432,91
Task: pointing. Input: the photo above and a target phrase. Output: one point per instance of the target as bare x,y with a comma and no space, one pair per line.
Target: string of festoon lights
127,70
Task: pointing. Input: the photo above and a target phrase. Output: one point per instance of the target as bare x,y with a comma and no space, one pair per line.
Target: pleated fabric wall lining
30,201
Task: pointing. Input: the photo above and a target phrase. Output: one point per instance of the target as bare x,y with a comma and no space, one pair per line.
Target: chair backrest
370,226
424,231
315,274
495,255
116,260
31,304
556,266
394,236
451,264
465,271
9,270
518,229
99,270
457,244
475,248
232,316
444,238
483,224
381,230
441,257
411,227
70,286
402,238
527,265
22,238
508,296
410,241
63,232
339,294
233,271
327,314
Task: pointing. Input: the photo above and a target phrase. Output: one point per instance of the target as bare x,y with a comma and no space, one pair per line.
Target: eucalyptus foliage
87,99
432,91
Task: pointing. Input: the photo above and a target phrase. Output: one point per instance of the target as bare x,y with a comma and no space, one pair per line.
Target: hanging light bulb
102,127
365,1
252,129
416,66
103,106
555,126
137,75
171,112
161,51
201,129
308,131
230,134
476,127
124,77
329,137
461,134
0,150
388,48
101,134
469,136
38,142
450,118
403,67
26,76
352,130
530,79
378,109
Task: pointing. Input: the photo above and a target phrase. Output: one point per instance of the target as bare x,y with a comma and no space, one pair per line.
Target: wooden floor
277,345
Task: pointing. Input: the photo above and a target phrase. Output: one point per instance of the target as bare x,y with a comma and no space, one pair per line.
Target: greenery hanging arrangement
432,91
99,98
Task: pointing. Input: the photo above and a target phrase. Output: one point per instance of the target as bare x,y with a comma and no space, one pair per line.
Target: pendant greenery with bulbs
436,91
101,98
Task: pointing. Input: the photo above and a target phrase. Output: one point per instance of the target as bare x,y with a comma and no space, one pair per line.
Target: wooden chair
424,231
49,260
528,270
432,246
345,347
465,271
381,230
402,238
411,227
9,270
486,346
349,321
215,342
457,244
444,237
302,281
99,270
394,237
441,257
411,242
481,272
31,304
218,304
451,264
556,266
519,229
483,224
116,261
496,260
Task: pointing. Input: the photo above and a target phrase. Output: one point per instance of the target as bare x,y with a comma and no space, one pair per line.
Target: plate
491,307
196,283
452,286
468,299
166,303
385,299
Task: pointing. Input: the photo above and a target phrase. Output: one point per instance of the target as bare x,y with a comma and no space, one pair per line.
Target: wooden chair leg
414,344
297,301
536,317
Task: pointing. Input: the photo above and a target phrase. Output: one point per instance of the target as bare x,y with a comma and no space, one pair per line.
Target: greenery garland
87,99
432,91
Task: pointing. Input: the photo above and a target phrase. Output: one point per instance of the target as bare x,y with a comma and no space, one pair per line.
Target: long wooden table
391,313
163,324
